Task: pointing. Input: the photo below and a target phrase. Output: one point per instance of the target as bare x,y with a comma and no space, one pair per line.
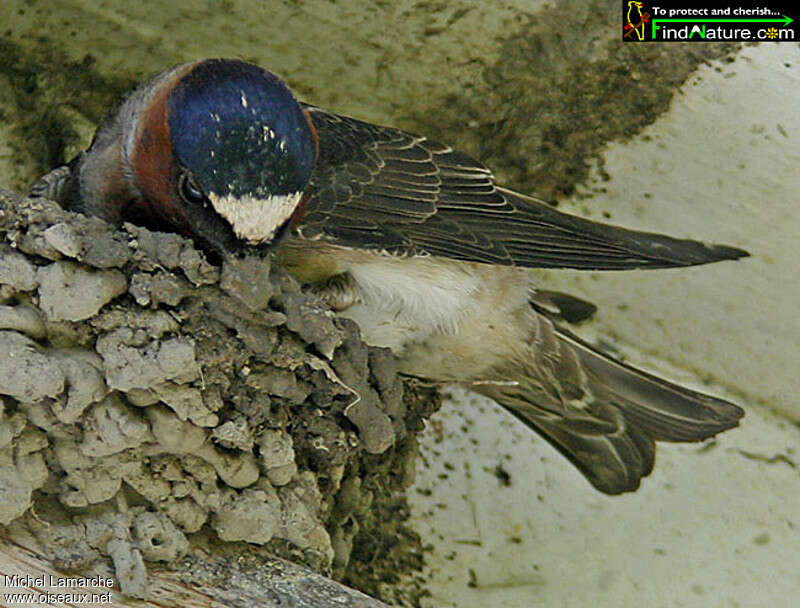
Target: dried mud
152,402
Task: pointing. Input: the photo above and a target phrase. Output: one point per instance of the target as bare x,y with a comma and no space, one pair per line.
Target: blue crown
239,130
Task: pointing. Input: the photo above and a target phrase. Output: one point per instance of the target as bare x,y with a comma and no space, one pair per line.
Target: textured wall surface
148,397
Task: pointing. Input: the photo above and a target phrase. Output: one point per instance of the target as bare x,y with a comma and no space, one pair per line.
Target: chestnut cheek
299,213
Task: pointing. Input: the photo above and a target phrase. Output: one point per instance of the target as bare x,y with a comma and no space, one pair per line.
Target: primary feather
383,189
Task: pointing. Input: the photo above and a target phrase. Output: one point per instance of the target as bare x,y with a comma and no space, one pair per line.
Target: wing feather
384,189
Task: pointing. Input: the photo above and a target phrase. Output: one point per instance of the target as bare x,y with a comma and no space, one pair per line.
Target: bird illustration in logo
406,236
634,20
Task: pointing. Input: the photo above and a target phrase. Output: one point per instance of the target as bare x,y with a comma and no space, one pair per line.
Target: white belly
446,320
407,300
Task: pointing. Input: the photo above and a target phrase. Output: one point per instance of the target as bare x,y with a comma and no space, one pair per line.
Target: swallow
408,237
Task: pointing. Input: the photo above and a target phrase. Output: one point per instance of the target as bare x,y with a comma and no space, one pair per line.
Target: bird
635,15
408,237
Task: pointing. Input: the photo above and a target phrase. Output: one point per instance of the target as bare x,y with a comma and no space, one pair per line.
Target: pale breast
445,319
408,300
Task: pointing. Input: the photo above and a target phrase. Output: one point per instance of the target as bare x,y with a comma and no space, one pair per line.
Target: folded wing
383,189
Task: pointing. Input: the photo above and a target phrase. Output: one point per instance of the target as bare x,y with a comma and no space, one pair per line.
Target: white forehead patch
256,220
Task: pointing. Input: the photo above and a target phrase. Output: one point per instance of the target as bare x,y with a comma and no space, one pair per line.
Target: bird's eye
189,190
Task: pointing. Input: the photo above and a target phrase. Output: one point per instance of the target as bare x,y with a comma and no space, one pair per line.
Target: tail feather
603,415
662,409
612,462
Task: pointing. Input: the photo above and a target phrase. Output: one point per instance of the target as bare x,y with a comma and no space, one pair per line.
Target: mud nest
151,401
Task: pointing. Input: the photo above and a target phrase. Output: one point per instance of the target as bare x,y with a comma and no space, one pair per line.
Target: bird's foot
340,292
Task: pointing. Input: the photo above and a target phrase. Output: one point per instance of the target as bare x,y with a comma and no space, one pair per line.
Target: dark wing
383,189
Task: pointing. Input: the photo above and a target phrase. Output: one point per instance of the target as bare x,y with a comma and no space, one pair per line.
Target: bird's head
219,150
